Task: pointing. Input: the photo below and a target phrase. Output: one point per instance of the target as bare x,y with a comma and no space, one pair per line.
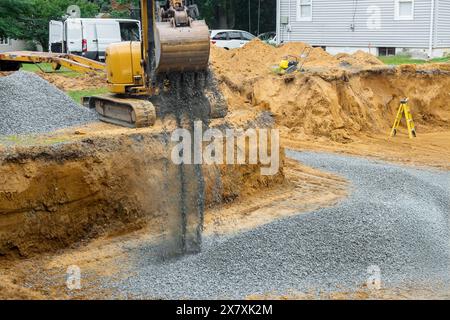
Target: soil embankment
100,182
335,97
53,196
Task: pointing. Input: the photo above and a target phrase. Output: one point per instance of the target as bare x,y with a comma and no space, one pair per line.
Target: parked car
269,37
90,37
231,39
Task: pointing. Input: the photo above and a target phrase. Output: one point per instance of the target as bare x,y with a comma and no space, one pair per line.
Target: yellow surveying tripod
404,109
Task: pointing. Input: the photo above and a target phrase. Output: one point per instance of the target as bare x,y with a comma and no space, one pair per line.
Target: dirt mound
80,82
359,59
311,57
257,59
335,97
312,106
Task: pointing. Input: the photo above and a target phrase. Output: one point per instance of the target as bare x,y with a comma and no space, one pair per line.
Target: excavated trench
62,191
54,193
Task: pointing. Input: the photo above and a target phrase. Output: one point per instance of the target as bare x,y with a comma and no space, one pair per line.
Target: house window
404,9
4,41
304,10
384,51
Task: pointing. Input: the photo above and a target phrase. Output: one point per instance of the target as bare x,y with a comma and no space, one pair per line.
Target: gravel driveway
396,219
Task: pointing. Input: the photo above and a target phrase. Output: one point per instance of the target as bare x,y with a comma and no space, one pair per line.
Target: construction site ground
341,104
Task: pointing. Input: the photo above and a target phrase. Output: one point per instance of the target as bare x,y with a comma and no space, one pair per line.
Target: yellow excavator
173,41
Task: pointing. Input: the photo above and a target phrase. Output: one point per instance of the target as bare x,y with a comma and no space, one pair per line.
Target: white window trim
397,10
299,16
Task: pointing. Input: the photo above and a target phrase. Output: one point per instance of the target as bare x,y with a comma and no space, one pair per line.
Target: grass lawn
396,60
47,67
77,95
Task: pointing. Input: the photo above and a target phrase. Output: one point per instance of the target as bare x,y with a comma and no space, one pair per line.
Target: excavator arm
173,41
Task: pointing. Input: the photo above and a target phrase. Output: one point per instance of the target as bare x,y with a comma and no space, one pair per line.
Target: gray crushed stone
396,218
31,105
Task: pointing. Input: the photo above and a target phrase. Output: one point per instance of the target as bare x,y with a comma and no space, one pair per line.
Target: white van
90,37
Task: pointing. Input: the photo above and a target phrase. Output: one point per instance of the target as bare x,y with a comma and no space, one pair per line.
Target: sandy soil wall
54,196
335,97
339,106
361,103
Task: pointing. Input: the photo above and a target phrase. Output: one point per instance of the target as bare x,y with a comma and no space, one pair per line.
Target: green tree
29,19
239,14
118,8
42,11
10,13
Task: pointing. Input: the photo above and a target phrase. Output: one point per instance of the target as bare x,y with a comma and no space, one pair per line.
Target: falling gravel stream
396,218
186,100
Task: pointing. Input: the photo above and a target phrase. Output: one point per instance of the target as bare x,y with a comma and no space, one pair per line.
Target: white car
269,38
231,39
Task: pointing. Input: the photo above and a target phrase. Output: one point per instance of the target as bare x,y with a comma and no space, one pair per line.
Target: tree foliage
239,14
10,12
219,14
29,19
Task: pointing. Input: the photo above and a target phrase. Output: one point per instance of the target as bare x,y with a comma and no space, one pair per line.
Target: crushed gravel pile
396,219
31,105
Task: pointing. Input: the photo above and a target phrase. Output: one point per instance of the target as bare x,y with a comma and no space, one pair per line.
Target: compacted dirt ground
428,149
340,104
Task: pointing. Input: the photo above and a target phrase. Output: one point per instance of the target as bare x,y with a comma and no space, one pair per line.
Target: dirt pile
70,82
358,59
257,59
79,82
335,97
365,103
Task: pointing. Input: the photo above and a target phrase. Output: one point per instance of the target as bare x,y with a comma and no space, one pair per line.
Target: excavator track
131,113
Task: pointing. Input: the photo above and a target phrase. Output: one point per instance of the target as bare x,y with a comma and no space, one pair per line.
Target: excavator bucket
182,49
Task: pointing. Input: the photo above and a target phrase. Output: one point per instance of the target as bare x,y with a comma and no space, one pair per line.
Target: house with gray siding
382,27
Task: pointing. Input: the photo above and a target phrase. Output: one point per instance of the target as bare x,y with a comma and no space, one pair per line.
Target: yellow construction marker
404,109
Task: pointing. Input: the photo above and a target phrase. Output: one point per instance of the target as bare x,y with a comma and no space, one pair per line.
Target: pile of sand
358,97
75,83
359,59
258,59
